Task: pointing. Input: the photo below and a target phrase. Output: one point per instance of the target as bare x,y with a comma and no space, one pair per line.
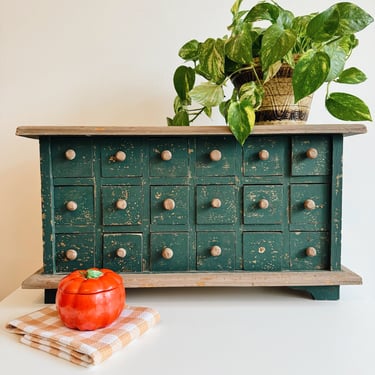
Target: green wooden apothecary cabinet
188,206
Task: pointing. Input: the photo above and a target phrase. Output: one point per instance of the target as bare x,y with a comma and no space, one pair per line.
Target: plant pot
278,105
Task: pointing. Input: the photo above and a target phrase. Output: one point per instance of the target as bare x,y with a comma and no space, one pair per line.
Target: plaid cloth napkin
44,330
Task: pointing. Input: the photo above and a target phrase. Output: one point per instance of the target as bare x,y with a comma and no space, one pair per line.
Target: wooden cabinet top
38,131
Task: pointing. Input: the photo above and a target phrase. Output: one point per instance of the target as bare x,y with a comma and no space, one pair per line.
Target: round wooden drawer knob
312,153
121,204
263,204
70,154
167,253
169,204
71,254
166,155
71,206
121,252
264,155
311,251
216,203
120,156
215,155
215,251
309,204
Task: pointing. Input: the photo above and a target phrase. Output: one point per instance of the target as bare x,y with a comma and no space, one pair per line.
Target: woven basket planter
278,105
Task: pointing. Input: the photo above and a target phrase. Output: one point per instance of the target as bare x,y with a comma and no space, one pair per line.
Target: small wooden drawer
264,251
123,252
74,251
74,205
169,205
72,157
216,204
310,207
122,205
309,251
265,156
169,157
122,157
311,156
169,251
216,251
215,156
263,204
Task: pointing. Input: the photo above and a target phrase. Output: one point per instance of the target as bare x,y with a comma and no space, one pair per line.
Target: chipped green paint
247,202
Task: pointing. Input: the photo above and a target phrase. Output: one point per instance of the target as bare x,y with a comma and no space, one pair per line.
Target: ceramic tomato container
90,299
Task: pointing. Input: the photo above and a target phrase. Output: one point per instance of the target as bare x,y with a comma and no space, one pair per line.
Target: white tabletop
222,331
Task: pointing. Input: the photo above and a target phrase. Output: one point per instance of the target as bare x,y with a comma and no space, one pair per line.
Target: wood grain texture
37,131
215,279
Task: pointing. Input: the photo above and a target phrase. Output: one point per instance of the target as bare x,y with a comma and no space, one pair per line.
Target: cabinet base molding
322,285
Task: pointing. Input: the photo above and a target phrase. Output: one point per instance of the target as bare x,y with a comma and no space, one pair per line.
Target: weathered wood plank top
214,279
37,131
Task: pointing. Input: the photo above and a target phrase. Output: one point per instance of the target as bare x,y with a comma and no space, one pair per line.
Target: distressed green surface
225,261
273,214
252,239
265,251
132,243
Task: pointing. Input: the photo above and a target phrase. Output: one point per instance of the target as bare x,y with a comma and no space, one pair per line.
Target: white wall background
89,62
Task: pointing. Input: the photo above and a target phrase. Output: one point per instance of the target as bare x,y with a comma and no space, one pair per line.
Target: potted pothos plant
260,41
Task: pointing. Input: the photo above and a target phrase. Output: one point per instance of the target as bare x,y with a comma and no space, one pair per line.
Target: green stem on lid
93,274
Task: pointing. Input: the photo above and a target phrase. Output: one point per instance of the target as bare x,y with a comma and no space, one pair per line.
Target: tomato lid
92,281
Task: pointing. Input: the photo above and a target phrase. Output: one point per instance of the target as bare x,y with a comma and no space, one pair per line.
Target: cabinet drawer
311,156
122,158
264,251
310,208
72,157
74,205
123,252
75,251
263,204
122,205
169,205
169,251
169,158
216,251
215,156
265,156
216,204
309,250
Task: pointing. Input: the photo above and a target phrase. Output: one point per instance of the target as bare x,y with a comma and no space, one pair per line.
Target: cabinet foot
321,293
50,295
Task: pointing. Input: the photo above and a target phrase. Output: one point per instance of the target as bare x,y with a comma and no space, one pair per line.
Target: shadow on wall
21,225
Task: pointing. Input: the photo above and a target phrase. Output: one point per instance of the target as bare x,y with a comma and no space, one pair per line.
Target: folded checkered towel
43,329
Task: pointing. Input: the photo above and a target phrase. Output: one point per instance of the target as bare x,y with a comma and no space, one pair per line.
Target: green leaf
285,19
190,50
263,11
352,18
224,107
212,60
277,42
208,94
352,76
183,80
180,119
324,25
347,107
236,7
239,47
253,93
310,73
241,120
338,57
93,273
